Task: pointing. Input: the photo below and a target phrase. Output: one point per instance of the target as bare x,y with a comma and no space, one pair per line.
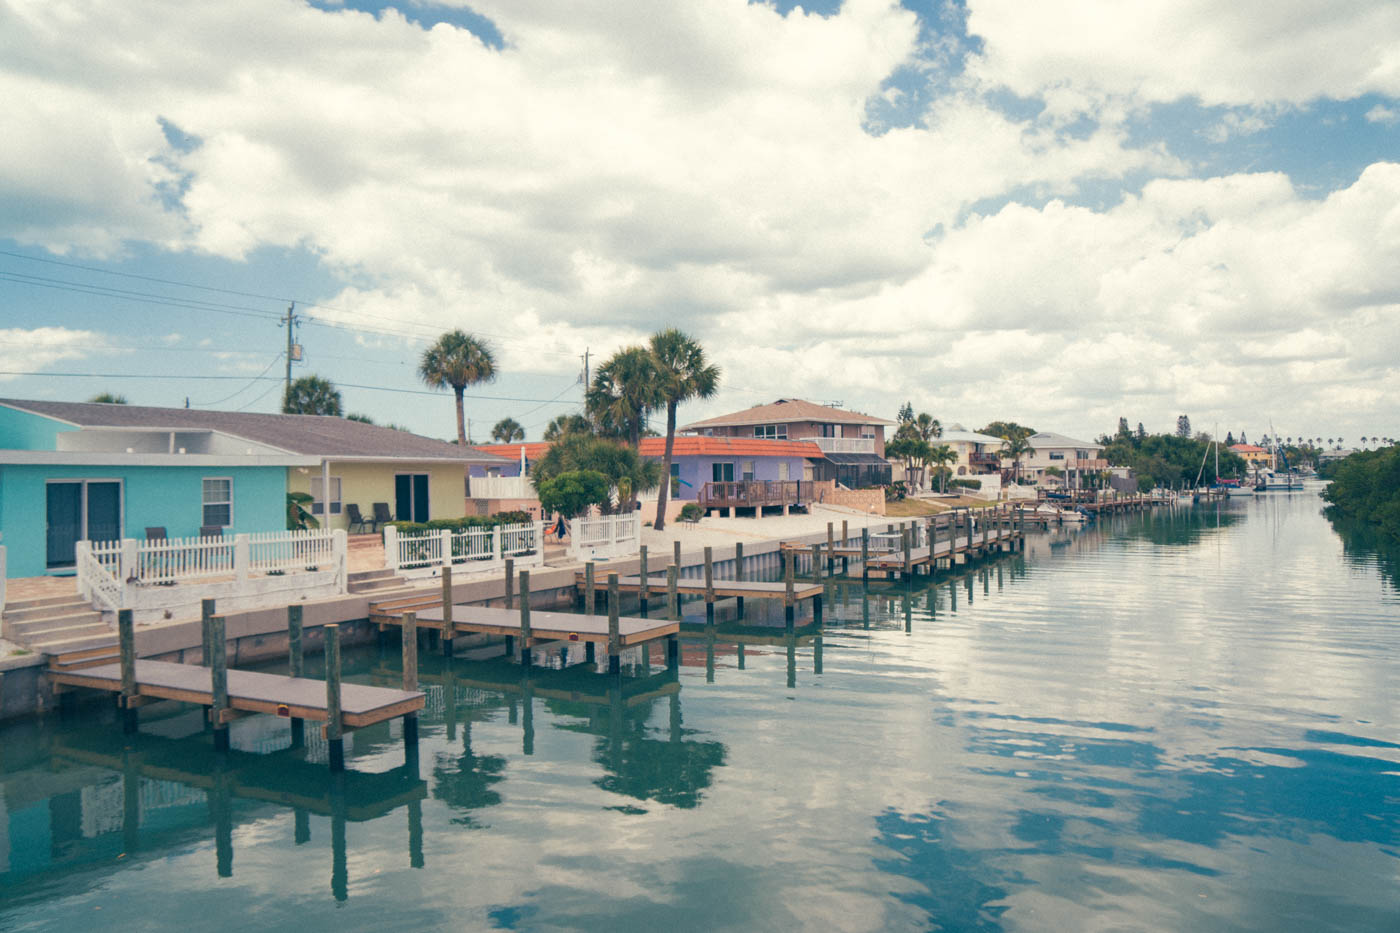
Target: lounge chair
382,515
155,533
211,531
352,512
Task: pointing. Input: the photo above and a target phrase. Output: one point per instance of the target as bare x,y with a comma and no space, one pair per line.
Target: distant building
1074,458
1252,455
852,444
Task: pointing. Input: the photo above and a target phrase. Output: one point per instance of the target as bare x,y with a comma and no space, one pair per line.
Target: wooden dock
545,626
721,588
946,549
250,692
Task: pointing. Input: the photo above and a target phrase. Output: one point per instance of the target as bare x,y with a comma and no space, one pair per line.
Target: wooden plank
556,626
802,591
250,691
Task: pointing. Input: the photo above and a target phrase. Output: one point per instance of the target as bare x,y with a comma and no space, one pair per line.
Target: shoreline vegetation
1365,491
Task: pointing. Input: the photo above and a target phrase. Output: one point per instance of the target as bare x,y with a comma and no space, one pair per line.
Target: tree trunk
461,416
665,491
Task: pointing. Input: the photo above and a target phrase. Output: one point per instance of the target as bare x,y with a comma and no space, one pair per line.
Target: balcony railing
755,494
845,445
983,459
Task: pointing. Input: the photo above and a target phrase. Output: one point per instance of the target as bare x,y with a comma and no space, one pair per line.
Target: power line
147,278
244,388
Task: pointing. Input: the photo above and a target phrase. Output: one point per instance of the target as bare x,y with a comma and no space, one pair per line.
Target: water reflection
1365,546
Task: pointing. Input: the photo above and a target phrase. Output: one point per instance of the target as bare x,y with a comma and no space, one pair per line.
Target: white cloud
1383,114
1251,52
34,349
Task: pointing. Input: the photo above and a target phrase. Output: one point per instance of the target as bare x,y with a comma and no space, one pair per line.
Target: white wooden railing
424,553
605,536
157,579
503,487
844,445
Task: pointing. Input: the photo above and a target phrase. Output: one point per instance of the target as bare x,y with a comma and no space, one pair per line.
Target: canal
1188,720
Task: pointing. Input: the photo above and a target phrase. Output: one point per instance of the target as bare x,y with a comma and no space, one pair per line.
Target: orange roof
689,445
686,446
1247,449
786,411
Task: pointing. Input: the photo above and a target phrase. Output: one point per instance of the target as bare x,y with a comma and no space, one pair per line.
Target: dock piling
673,596
526,651
410,673
614,636
335,731
206,610
830,546
789,598
739,571
642,570
126,638
296,665
447,630
865,553
709,584
590,601
817,562
218,669
510,583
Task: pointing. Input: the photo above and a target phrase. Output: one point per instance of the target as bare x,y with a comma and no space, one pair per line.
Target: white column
445,542
391,548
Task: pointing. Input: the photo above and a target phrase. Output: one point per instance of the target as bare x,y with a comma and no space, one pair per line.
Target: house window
319,506
1057,455
772,432
675,473
722,472
867,431
827,430
1081,455
218,501
748,471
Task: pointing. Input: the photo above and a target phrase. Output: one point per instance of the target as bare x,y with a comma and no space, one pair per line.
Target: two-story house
1074,458
852,444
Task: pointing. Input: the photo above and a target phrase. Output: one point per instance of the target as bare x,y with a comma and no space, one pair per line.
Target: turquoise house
64,479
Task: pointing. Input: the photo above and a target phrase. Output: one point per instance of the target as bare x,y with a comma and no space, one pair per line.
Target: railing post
444,546
497,546
241,558
391,548
131,562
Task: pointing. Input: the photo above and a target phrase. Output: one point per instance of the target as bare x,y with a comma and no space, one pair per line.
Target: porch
757,495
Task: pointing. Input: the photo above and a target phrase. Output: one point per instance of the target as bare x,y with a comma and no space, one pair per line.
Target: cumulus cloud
614,166
33,349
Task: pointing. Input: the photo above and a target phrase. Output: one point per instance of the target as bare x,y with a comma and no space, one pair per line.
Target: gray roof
1051,439
311,435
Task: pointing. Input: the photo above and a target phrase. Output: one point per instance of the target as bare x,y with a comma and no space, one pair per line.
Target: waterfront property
72,471
852,443
1075,459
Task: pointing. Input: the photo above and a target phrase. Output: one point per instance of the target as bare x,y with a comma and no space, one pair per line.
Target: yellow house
1252,455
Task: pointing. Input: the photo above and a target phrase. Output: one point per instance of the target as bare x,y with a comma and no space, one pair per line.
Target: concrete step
19,605
405,601
362,576
27,613
376,587
29,628
63,646
39,641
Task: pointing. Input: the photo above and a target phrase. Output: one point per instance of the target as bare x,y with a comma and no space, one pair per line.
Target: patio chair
211,531
352,512
382,515
155,532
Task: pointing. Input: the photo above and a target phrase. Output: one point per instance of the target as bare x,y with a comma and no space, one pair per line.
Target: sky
1055,213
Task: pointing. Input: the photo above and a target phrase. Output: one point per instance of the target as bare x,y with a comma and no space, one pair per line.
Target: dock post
865,553
510,583
448,631
789,602
206,611
614,638
410,674
642,589
673,595
908,554
817,563
335,732
676,554
673,652
126,637
739,572
218,675
830,546
589,580
709,585
845,542
296,665
817,655
526,651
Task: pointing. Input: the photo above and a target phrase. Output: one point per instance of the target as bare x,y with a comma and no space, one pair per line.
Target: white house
1073,457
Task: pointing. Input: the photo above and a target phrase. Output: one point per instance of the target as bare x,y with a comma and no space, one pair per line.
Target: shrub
571,493
965,483
691,512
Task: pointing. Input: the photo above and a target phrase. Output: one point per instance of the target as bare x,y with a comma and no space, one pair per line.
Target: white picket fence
605,536
157,579
475,550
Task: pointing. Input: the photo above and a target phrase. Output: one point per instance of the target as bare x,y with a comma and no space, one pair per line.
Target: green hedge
464,523
965,483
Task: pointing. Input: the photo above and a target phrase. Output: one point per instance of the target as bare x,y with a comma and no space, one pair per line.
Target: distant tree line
1172,460
1365,488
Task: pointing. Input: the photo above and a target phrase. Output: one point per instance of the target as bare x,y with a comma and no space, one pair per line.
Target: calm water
1183,722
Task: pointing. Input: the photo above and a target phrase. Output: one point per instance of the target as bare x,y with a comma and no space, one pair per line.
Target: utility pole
293,351
585,370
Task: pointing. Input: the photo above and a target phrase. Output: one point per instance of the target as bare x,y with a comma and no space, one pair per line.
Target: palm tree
624,390
507,430
942,455
1016,446
566,424
457,360
928,426
312,395
682,374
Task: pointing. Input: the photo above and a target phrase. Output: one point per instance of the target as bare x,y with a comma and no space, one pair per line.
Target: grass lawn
908,508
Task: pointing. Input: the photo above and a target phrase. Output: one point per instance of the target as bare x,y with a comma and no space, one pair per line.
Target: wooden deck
921,556
546,626
656,586
250,692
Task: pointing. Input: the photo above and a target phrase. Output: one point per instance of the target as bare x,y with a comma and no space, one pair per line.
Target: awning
857,460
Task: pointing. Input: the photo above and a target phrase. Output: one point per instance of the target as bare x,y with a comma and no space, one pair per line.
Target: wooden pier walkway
250,692
721,588
544,626
945,549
